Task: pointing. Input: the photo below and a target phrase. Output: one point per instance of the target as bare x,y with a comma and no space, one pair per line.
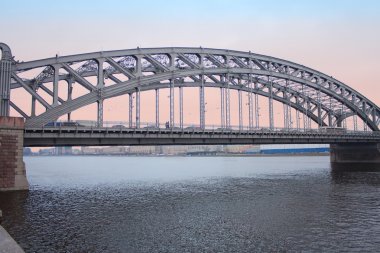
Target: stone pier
12,167
355,156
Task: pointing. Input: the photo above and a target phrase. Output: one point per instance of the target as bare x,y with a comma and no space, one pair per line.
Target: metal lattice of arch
320,97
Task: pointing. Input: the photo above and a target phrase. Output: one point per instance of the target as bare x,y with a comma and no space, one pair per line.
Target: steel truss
319,97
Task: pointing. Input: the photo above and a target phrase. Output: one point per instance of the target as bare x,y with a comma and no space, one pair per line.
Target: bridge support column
157,108
12,167
5,79
355,156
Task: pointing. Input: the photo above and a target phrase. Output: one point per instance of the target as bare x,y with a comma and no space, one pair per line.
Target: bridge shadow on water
355,174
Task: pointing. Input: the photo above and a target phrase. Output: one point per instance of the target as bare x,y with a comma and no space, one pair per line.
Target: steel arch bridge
321,98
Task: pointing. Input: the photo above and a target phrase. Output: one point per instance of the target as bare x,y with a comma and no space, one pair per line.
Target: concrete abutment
12,167
355,156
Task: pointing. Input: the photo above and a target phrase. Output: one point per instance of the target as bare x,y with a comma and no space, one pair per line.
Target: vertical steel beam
100,85
319,107
297,115
271,119
138,66
33,111
285,107
285,112
228,116
330,119
171,103
130,108
202,104
100,113
355,117
250,106
305,116
100,73
290,116
222,118
69,95
181,107
374,114
5,80
138,108
157,108
365,126
240,110
289,108
308,118
257,109
55,84
330,113
298,120
305,108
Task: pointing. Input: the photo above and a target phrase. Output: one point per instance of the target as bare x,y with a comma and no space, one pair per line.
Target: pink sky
341,41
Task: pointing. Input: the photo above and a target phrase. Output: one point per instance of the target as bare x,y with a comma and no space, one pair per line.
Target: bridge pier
12,167
355,156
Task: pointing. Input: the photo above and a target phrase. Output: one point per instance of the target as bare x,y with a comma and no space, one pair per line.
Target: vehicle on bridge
63,124
119,126
332,130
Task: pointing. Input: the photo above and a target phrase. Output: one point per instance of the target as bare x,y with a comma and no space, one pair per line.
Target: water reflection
355,176
194,205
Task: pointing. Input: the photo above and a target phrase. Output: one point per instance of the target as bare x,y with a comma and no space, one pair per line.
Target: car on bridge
332,130
118,126
224,129
63,124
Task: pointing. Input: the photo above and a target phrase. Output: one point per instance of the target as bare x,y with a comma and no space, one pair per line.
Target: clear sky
338,37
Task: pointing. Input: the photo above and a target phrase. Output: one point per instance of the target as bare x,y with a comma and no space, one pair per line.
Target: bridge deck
83,136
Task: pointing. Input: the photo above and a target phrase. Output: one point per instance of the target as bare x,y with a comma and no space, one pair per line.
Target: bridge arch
289,83
146,84
5,52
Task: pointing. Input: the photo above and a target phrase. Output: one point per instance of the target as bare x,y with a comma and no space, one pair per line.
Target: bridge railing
120,125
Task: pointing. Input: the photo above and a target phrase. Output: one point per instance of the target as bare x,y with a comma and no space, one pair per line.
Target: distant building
63,150
47,151
27,151
114,150
294,148
143,150
90,151
238,148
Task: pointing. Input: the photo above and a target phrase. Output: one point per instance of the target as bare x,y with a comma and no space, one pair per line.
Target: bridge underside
109,137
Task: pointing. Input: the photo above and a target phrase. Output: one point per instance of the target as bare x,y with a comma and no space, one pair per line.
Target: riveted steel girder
317,87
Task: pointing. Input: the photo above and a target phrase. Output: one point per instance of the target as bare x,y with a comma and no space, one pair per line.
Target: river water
193,204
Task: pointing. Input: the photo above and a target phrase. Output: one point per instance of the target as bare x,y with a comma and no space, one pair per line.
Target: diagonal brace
78,77
31,91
